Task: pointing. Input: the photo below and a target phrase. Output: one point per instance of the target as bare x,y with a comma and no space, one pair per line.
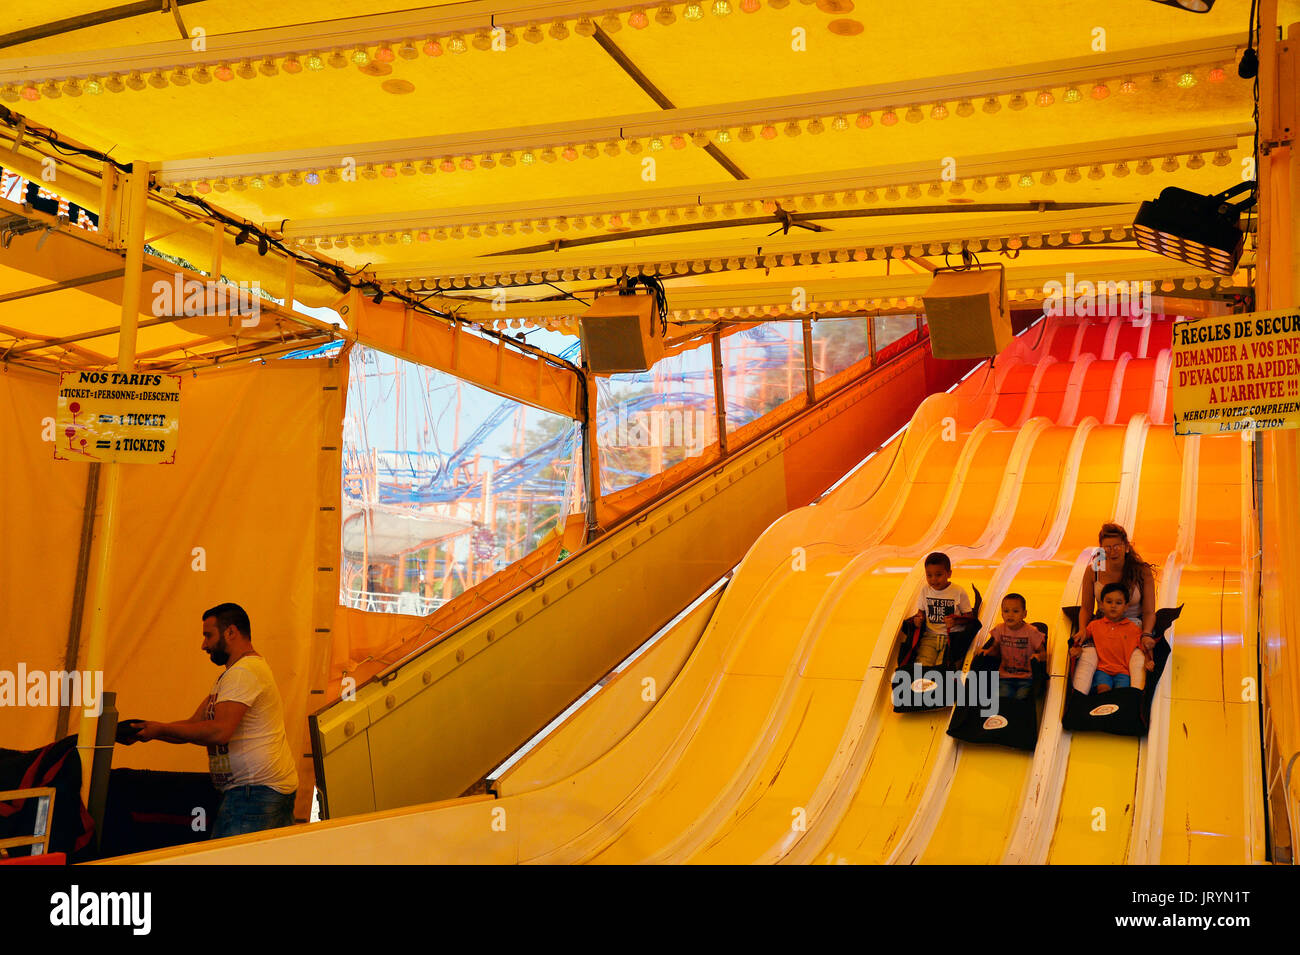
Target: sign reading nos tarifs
127,417
1237,373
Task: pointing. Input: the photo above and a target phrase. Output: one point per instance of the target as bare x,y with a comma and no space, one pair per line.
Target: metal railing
39,840
415,605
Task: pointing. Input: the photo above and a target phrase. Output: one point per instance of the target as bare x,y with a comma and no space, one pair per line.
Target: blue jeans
1116,681
1018,687
252,809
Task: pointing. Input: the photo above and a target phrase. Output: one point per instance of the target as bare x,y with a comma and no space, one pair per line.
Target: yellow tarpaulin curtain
40,529
245,514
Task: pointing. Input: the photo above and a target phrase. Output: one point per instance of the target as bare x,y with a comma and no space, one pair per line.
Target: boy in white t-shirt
942,606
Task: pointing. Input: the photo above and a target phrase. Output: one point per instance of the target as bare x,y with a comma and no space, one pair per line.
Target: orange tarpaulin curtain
238,518
444,345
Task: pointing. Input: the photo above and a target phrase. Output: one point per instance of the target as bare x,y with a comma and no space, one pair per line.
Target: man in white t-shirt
241,722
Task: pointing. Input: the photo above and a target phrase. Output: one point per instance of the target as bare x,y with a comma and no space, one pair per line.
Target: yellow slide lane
1099,796
1212,809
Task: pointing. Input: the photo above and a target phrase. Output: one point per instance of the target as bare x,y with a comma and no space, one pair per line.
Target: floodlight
1200,230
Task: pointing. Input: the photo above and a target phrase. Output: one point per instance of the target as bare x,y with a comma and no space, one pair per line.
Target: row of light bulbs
814,126
770,260
622,221
485,38
568,324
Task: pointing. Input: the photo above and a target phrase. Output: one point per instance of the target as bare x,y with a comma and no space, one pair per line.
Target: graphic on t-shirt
1017,646
218,753
936,608
937,605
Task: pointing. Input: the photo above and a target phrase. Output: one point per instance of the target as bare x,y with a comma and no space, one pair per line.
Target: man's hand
1075,651
216,731
148,730
1148,644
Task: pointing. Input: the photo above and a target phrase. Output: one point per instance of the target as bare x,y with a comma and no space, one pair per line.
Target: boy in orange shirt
1117,641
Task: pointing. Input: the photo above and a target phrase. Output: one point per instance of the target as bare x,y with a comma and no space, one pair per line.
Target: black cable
1253,40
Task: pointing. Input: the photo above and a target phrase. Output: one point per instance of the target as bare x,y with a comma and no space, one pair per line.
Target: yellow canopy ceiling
652,145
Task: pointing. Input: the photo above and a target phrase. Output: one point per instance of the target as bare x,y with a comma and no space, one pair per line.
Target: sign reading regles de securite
126,417
1237,373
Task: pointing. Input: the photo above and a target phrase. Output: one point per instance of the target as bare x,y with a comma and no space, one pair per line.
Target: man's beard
220,656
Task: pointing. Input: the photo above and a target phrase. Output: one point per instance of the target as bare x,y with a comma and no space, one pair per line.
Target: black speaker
621,333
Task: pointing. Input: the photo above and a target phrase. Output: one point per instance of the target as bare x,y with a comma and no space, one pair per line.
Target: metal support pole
135,201
719,398
79,588
590,450
871,339
810,388
102,765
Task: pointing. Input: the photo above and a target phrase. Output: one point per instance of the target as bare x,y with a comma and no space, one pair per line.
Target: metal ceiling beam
980,226
655,93
745,112
84,20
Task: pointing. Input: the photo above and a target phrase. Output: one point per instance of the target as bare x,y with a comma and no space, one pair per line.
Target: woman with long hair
1116,561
